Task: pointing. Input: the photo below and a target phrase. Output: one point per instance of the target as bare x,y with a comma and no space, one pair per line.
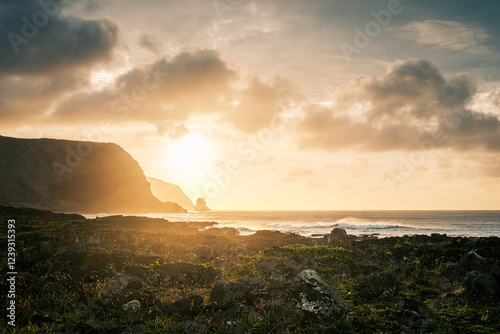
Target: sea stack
201,205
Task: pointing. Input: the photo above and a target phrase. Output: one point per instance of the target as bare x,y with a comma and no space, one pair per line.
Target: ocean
380,223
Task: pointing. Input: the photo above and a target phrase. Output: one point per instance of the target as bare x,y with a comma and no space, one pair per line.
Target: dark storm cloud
411,107
35,37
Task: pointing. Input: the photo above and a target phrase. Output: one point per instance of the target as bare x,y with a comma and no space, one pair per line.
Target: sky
278,104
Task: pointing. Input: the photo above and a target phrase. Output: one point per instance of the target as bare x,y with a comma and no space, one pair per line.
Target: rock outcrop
74,176
167,192
316,298
201,205
338,238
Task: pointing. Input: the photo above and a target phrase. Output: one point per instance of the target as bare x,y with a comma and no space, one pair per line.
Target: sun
191,156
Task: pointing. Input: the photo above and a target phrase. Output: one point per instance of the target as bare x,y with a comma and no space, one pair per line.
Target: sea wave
302,226
346,223
353,223
367,226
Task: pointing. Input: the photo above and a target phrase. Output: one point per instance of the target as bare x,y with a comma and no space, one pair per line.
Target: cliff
72,176
167,192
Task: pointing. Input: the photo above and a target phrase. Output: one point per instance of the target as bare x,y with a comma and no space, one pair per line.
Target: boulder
72,327
281,271
479,285
378,283
287,311
307,261
222,295
338,238
190,306
195,328
452,272
316,298
203,252
145,297
188,273
134,284
473,261
132,305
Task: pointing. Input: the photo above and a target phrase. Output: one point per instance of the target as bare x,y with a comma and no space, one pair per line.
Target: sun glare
191,156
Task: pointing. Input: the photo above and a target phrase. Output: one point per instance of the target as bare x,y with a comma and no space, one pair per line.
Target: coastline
76,274
384,223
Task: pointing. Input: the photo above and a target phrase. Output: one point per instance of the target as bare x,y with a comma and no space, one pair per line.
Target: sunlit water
383,223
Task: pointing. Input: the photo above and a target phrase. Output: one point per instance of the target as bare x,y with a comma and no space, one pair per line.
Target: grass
59,293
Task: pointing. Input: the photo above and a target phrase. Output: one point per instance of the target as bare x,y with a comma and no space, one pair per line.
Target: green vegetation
80,274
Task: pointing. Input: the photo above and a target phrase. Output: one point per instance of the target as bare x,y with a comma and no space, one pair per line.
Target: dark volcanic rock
377,283
36,214
74,328
282,270
316,298
190,306
307,261
452,272
203,252
222,295
338,238
134,284
73,176
472,261
189,274
479,285
195,328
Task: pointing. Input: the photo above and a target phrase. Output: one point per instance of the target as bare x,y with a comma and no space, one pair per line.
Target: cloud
410,107
448,35
494,97
26,99
172,90
35,37
150,42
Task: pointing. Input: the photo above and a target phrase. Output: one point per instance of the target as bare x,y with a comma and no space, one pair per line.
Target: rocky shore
141,275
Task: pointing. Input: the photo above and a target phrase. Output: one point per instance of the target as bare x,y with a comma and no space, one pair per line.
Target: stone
134,284
452,272
473,261
222,295
287,311
189,306
195,328
338,238
281,271
189,274
73,328
203,252
307,261
378,283
145,297
133,305
317,299
137,329
479,285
